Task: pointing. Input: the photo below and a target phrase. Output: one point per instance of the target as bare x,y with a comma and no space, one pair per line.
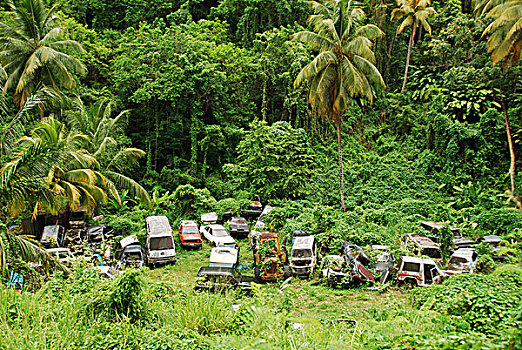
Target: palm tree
49,170
505,32
24,248
415,13
33,52
97,124
504,43
345,68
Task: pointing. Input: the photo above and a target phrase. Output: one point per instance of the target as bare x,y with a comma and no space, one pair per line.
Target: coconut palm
96,122
33,51
505,32
345,68
49,170
415,13
24,248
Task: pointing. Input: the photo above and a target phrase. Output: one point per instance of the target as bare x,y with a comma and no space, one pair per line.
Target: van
160,248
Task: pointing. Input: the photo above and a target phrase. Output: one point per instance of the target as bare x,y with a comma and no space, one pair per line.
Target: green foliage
122,298
489,303
274,162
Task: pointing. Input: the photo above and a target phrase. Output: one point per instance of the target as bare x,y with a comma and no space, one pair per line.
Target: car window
190,229
220,233
409,266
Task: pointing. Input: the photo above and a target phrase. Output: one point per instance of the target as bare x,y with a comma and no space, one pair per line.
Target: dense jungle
355,120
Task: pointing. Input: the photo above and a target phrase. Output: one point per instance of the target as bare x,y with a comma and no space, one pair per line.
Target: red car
189,235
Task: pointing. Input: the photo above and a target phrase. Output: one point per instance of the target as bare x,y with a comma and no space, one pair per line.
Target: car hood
191,235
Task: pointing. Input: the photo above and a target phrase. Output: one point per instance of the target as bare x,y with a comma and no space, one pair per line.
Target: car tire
287,273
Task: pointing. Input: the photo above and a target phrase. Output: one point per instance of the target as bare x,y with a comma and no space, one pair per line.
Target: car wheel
287,273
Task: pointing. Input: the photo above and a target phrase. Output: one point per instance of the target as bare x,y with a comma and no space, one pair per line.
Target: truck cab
418,271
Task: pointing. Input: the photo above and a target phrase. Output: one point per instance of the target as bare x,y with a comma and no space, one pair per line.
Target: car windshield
301,253
457,262
219,232
190,229
134,256
158,243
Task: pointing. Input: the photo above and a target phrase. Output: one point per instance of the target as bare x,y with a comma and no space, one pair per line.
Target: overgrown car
189,235
260,225
462,260
209,218
97,233
420,244
53,234
385,266
219,279
159,247
494,242
303,256
217,235
63,255
253,210
334,269
459,241
133,255
238,227
224,256
418,271
270,261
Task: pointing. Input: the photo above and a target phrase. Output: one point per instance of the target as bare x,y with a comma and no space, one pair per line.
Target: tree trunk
341,173
408,58
387,69
511,149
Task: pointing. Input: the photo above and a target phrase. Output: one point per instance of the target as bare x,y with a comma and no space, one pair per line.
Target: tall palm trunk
341,173
511,149
408,57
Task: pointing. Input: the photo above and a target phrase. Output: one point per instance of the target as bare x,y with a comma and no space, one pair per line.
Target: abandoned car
420,244
63,255
159,247
53,235
224,256
97,233
462,260
459,241
418,271
209,218
253,210
133,254
270,261
303,256
344,271
217,235
189,235
385,266
219,279
238,227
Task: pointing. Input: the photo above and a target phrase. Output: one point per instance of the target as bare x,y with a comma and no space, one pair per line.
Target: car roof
188,223
422,240
57,250
158,226
237,218
464,252
216,226
418,260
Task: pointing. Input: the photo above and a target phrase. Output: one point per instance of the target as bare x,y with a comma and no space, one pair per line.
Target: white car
217,234
462,260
